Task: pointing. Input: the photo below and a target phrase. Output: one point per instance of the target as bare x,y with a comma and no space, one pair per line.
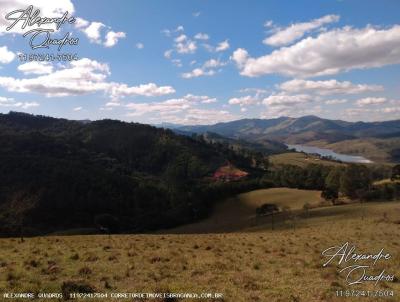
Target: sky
201,62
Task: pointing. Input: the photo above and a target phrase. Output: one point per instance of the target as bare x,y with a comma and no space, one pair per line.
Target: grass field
238,213
299,159
251,264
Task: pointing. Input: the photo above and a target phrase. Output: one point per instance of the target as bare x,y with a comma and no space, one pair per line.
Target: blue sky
202,62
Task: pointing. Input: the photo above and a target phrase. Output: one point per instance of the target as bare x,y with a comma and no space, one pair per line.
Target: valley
108,206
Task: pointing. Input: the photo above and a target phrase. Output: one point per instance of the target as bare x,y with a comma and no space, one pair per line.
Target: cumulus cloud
329,53
93,30
36,67
112,38
199,99
336,101
81,23
80,77
207,69
139,45
201,36
6,56
295,31
327,87
186,47
224,45
240,56
370,101
178,110
244,101
150,89
10,102
197,72
282,99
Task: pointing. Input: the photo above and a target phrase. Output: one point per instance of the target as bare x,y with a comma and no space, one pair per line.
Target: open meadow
254,263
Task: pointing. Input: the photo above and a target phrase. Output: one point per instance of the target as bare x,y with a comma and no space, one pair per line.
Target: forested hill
57,174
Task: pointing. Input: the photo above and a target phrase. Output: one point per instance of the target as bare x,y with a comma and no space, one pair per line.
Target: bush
267,209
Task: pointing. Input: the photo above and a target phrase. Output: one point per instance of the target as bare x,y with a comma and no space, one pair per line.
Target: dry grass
256,264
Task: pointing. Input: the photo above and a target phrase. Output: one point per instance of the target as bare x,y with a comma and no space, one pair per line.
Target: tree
268,209
355,181
107,223
17,209
330,194
332,184
395,173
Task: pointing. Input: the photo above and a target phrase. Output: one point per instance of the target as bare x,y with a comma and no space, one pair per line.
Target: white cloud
370,101
269,23
139,45
201,36
186,47
336,101
224,45
292,111
199,99
6,56
244,101
36,67
240,56
177,62
81,23
327,87
213,63
80,77
93,31
10,102
112,38
207,69
295,31
168,53
150,89
199,116
283,99
196,14
181,38
197,72
169,108
329,53
113,104
77,109
390,110
172,106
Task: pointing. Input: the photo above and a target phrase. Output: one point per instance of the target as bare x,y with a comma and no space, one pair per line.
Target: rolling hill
315,131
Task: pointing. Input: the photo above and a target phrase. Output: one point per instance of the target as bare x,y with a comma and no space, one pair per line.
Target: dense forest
57,174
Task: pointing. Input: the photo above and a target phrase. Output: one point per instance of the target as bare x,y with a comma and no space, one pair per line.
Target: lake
329,153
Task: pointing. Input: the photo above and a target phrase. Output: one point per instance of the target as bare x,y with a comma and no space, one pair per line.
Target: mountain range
379,141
